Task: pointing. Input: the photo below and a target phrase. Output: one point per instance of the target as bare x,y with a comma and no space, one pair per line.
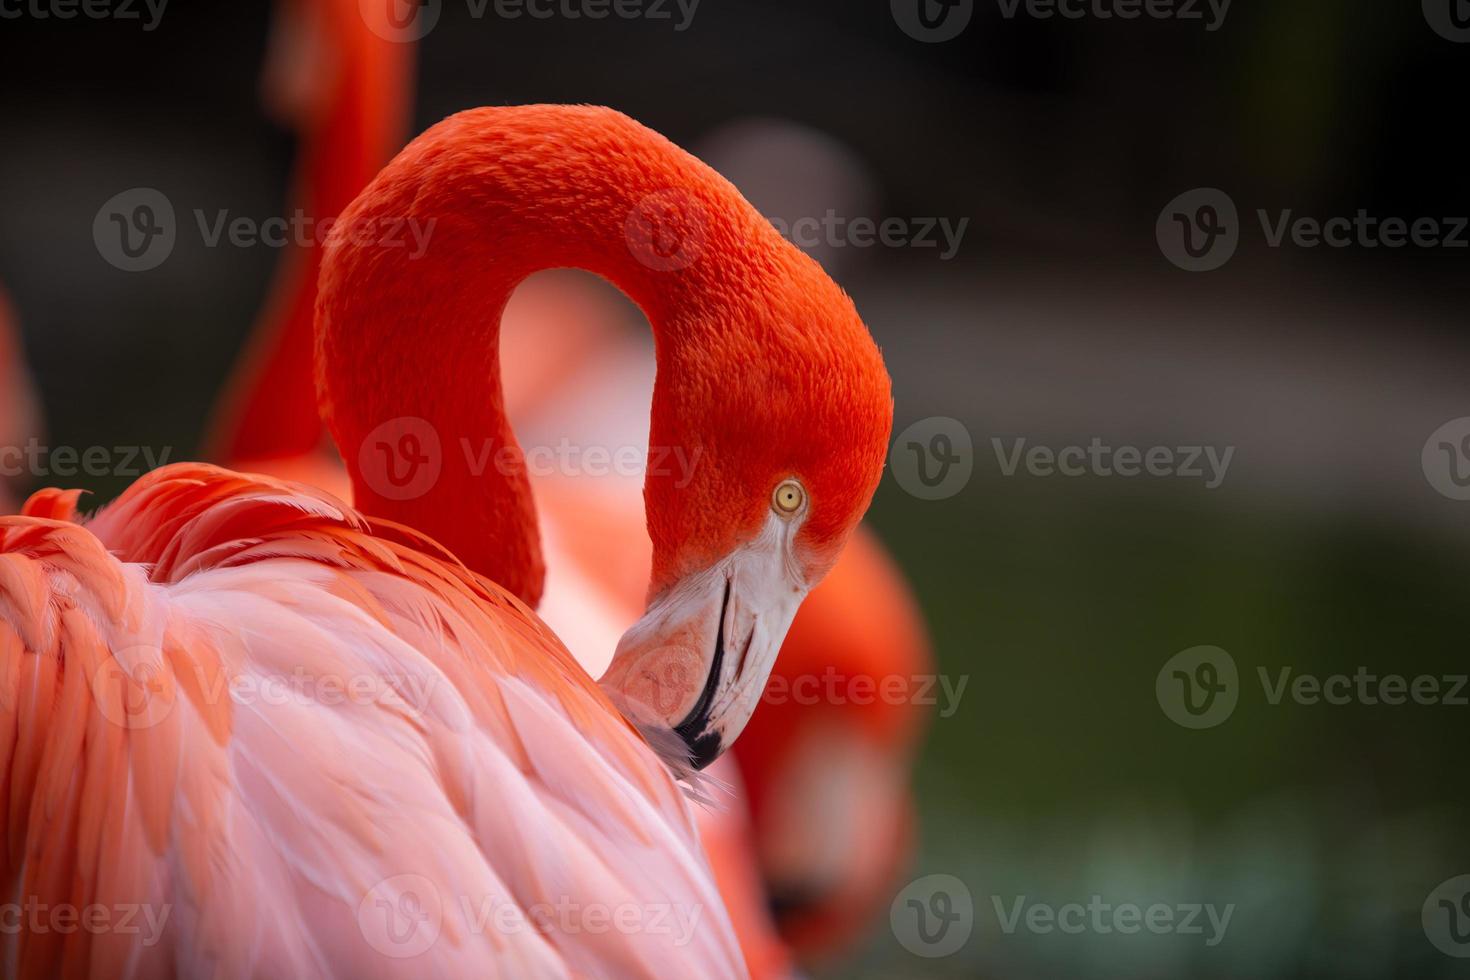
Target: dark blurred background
1058,319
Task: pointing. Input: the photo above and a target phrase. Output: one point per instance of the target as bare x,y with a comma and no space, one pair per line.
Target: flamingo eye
788,498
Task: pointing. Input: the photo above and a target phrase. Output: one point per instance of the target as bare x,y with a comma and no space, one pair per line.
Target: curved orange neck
408,358
350,122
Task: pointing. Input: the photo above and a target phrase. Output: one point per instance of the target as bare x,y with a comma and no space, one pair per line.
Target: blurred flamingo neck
350,117
408,346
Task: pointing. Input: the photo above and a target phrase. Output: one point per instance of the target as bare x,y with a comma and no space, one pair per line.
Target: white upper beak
698,660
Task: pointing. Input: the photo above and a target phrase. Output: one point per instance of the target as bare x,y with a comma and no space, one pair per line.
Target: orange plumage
145,761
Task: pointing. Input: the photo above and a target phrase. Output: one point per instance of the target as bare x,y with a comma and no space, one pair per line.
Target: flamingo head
769,429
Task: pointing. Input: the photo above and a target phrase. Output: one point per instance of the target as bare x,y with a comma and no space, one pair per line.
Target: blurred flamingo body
486,764
19,414
347,93
808,767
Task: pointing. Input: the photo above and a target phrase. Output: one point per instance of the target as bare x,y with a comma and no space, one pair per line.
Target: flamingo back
306,743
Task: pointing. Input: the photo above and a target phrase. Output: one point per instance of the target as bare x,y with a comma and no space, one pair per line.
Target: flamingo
348,118
600,565
486,763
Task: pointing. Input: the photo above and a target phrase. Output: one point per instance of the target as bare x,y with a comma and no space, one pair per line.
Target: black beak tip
704,745
704,748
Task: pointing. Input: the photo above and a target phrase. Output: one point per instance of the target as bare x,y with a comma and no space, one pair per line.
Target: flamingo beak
696,663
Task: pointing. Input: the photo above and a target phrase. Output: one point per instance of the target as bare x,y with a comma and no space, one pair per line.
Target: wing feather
295,741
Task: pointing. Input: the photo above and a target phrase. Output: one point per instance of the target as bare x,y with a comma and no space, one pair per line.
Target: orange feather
495,769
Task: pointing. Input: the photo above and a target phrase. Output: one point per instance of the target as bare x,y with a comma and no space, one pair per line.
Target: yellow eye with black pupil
788,498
